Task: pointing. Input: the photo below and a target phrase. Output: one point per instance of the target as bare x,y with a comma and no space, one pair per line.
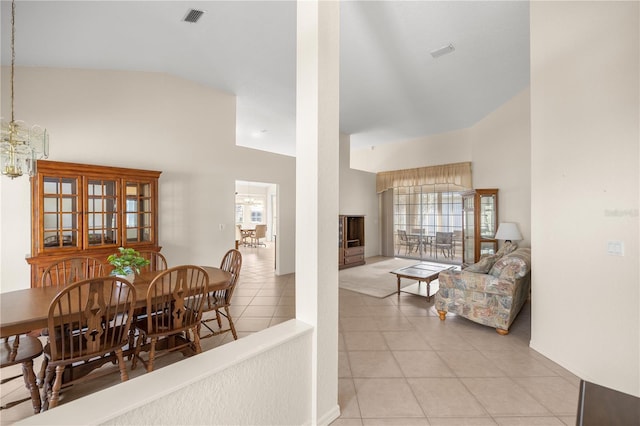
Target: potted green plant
126,263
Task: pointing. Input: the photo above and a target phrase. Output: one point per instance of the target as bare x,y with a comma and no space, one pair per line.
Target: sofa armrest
472,281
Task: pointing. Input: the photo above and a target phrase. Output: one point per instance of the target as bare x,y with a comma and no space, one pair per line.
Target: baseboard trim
329,416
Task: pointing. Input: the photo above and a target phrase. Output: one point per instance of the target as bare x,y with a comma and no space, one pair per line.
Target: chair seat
216,302
27,350
80,345
161,324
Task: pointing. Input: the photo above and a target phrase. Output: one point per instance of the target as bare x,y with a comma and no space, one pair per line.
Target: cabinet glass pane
50,205
60,215
469,229
487,216
68,204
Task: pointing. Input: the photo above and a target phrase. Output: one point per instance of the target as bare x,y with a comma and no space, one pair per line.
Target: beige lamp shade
508,231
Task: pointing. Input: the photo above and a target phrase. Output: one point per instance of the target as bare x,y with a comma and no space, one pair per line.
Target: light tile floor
398,363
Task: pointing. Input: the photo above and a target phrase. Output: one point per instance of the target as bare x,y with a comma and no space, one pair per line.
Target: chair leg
48,379
132,343
55,392
231,325
218,319
123,368
142,338
196,341
43,371
152,354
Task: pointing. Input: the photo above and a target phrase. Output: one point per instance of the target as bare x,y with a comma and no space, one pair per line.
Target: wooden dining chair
70,270
220,300
174,308
157,261
22,350
61,273
88,324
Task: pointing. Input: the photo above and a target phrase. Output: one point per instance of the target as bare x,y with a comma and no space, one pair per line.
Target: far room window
239,213
256,213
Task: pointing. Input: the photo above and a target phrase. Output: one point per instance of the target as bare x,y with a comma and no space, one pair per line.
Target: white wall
451,147
358,196
262,378
498,147
585,188
149,121
501,152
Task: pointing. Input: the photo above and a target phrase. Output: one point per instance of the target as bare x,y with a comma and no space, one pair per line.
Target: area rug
374,278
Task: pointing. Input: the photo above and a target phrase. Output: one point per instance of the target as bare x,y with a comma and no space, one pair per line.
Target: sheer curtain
423,200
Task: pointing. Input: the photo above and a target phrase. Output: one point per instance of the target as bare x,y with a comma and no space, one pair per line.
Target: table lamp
508,231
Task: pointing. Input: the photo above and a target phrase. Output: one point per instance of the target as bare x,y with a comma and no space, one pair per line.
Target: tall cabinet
479,224
86,210
350,241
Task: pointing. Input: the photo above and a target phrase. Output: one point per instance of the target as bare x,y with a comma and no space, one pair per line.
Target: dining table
22,311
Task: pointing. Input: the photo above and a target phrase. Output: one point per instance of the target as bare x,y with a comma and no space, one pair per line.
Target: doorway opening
256,204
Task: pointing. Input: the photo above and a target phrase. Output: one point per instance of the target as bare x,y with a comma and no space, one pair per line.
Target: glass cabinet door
468,231
61,218
139,212
102,213
480,213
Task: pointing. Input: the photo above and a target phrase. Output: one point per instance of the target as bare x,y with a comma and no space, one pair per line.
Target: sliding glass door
427,224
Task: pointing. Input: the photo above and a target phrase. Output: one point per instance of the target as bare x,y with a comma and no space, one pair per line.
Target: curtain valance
446,177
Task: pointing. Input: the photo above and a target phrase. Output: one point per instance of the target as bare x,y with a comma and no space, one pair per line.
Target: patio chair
404,241
444,243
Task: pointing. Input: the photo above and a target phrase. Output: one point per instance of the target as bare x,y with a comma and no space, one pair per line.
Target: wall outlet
615,248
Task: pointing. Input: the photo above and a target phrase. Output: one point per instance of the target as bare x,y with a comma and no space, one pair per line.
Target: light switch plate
615,248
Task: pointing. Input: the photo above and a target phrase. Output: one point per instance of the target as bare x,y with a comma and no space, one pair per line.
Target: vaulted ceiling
391,88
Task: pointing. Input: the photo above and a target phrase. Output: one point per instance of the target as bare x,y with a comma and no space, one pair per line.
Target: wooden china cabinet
350,241
479,224
87,210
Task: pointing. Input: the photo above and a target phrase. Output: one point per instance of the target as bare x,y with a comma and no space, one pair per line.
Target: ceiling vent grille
193,15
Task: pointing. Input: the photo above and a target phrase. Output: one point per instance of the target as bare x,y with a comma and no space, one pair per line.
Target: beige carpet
374,278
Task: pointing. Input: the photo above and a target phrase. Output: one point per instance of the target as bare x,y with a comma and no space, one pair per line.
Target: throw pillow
483,265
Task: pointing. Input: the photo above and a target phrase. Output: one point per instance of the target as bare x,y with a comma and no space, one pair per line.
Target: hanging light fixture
20,146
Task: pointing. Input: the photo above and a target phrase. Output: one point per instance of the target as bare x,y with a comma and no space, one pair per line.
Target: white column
317,148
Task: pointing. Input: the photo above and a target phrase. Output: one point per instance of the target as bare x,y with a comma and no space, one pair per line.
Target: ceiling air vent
193,15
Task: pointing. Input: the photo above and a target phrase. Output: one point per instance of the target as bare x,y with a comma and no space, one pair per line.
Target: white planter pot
129,277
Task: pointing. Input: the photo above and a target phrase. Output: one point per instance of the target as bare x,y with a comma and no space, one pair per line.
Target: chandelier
20,146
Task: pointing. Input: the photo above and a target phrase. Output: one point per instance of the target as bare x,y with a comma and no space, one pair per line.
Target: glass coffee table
421,272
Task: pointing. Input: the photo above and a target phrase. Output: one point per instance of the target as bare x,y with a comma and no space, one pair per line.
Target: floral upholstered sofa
490,292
